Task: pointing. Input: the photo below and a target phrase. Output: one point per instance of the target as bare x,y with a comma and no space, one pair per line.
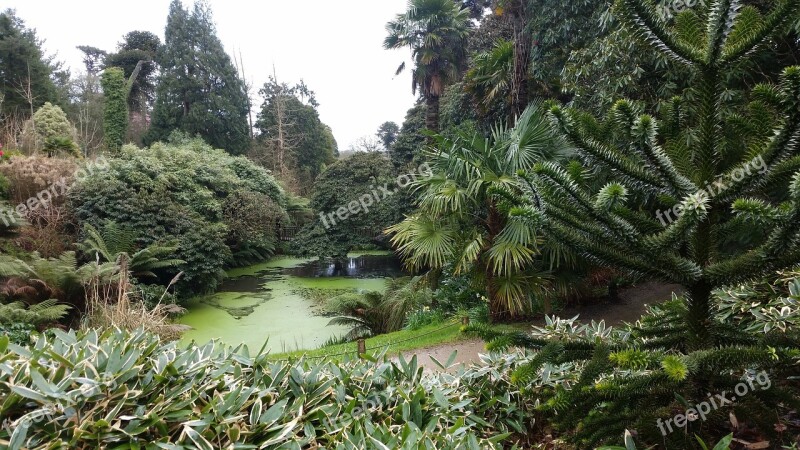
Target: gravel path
630,308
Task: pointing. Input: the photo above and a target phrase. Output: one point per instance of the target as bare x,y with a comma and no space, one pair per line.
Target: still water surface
263,303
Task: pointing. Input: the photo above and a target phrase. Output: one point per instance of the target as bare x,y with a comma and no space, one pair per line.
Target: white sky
335,46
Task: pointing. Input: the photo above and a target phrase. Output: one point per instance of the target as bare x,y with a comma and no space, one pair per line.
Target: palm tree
519,12
361,312
115,243
436,32
489,79
463,217
373,313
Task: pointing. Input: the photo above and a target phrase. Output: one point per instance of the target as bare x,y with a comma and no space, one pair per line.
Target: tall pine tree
199,91
25,72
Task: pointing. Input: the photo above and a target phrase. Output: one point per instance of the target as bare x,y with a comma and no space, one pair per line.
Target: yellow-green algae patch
275,314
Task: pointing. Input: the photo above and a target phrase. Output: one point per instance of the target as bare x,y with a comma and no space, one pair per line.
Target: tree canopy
26,73
199,90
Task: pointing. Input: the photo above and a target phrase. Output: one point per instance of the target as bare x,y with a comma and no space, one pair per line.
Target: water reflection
367,266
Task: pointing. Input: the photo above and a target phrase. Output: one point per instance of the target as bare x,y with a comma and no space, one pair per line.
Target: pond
270,302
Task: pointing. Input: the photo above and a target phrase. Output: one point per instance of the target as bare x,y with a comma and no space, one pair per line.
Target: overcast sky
335,46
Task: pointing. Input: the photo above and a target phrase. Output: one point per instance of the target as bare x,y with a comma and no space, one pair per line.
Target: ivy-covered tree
685,192
136,55
115,108
199,91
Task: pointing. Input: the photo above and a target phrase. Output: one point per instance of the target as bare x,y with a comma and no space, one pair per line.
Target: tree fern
114,242
48,311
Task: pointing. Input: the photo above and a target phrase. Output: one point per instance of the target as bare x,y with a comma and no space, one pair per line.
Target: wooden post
362,347
465,321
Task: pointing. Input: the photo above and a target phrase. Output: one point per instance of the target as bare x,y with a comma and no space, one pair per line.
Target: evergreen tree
92,58
410,140
199,91
387,133
25,72
685,190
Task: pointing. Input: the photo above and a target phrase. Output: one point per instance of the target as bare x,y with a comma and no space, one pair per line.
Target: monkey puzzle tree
716,169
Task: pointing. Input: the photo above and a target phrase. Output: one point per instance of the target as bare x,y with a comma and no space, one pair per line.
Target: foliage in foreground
638,376
116,389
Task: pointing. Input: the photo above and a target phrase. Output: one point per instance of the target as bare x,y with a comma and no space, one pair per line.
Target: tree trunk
522,57
494,224
698,318
432,112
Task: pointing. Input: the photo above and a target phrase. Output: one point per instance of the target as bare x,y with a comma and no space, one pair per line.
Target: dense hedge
128,390
192,195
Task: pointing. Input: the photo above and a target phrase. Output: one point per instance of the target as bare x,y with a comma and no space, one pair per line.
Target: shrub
44,182
457,293
5,187
252,218
18,333
187,193
424,317
50,232
50,130
163,395
112,300
372,313
358,178
37,280
61,145
30,175
51,121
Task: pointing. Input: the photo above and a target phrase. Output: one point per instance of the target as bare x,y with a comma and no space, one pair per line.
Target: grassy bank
394,343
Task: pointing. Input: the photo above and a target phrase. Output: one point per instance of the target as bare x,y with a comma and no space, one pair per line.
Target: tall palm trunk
498,310
522,57
432,112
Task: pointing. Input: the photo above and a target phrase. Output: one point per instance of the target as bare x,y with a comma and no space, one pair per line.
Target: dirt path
630,308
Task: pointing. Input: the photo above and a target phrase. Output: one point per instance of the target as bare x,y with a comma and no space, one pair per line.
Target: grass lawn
397,342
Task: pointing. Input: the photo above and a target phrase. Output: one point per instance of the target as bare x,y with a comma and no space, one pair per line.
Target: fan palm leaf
461,220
